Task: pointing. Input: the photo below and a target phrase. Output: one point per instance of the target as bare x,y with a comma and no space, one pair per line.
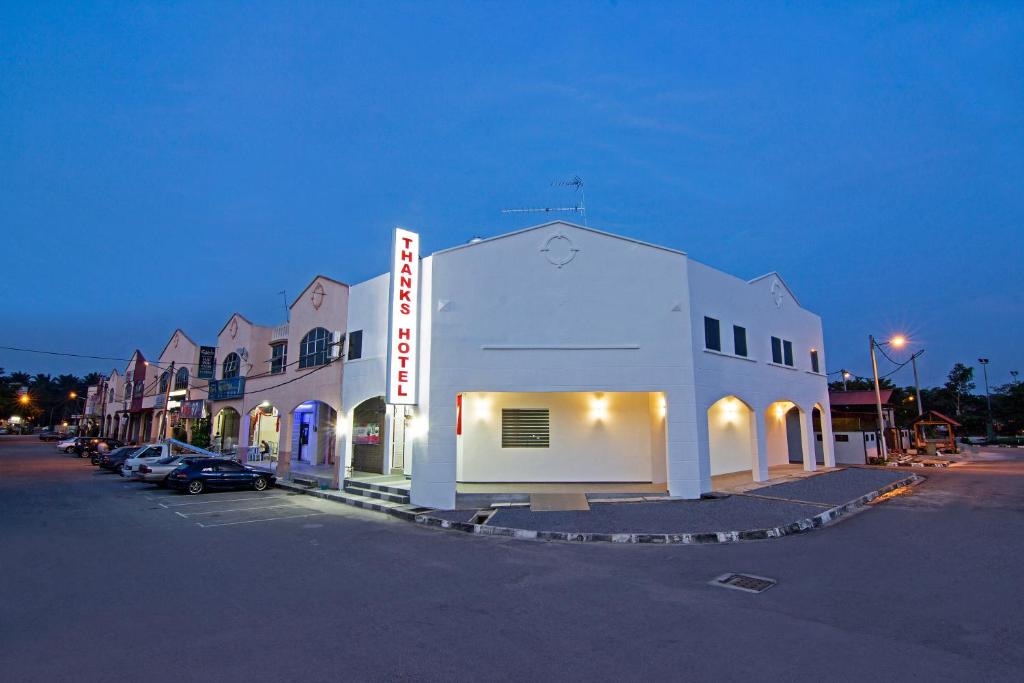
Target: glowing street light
23,399
898,341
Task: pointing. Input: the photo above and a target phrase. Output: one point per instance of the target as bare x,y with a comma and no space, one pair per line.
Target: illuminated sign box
403,318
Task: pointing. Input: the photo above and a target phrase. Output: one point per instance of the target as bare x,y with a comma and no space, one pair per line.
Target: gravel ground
835,488
736,513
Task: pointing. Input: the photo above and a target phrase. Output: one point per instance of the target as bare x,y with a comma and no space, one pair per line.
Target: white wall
583,446
754,379
503,318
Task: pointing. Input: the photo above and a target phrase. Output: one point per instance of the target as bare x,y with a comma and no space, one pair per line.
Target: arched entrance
819,448
313,433
732,437
107,422
368,436
264,433
784,435
226,427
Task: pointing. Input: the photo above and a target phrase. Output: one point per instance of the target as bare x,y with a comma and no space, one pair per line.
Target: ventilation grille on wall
525,428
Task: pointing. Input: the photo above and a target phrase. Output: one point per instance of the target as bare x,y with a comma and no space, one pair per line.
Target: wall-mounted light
599,408
730,410
418,427
780,412
481,407
662,405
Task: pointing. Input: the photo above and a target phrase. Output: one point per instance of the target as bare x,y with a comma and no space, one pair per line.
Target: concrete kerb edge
798,527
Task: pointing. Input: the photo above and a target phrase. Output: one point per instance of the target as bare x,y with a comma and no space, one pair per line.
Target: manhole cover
744,582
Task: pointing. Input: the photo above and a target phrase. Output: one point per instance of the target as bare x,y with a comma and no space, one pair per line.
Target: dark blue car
215,473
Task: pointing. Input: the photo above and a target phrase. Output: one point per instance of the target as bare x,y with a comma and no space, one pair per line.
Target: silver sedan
156,472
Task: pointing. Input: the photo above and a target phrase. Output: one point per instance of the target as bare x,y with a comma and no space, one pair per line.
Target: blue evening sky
165,164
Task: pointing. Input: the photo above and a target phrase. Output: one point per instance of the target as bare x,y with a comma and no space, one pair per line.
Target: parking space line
250,521
221,500
217,512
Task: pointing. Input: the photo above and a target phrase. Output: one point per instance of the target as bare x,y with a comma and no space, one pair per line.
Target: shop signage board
207,361
366,434
191,410
224,389
403,318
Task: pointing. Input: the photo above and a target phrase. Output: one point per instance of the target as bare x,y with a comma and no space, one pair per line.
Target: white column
759,430
828,439
807,440
386,438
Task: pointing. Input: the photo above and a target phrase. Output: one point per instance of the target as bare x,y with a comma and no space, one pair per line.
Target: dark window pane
278,358
231,365
314,348
787,353
739,340
776,350
712,336
814,360
355,345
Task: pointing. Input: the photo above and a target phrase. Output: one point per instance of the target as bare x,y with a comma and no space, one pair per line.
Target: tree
959,383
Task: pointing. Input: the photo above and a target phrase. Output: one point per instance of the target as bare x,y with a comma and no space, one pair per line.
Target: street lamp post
988,398
846,376
897,341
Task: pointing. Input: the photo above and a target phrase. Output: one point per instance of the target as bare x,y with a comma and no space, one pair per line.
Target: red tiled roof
934,414
857,398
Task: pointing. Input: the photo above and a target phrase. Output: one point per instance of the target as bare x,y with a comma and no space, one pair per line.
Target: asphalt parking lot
105,579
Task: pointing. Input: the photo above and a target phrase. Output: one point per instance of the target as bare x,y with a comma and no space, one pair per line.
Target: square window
787,353
776,350
355,345
814,360
712,334
739,340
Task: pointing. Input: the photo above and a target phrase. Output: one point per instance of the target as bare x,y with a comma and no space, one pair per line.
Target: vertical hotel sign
403,321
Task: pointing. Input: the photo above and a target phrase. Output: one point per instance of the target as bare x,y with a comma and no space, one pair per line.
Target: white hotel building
562,354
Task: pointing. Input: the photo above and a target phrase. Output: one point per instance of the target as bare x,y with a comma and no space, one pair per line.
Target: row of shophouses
555,354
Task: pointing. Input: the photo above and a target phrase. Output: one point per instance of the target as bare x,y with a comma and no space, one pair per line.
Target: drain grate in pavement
744,582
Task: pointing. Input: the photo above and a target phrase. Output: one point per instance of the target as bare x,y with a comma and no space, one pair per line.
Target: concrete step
376,494
370,486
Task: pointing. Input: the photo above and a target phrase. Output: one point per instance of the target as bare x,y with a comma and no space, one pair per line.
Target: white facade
604,337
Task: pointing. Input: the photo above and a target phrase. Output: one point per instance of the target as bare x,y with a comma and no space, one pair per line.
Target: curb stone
798,527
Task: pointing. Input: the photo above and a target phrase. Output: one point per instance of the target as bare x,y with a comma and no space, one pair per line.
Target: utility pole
167,399
917,384
846,376
988,399
883,451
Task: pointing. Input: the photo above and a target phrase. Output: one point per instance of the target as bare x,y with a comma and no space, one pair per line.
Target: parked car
85,448
198,476
156,472
147,454
115,459
3,430
73,444
48,435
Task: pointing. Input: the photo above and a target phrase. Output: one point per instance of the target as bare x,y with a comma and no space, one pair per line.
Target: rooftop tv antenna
581,207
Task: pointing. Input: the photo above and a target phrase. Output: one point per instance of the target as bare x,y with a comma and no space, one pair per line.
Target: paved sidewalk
779,509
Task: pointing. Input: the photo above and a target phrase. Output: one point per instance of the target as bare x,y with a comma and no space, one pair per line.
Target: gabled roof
171,338
857,398
232,317
934,415
561,223
311,282
774,274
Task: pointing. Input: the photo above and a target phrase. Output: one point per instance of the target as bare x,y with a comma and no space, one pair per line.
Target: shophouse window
165,379
777,350
231,364
739,340
525,428
278,358
315,348
110,395
712,334
181,379
127,390
355,345
814,360
140,388
787,353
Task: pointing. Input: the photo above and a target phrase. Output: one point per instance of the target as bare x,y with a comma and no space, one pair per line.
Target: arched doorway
107,422
264,433
732,437
226,427
783,423
313,433
368,436
819,447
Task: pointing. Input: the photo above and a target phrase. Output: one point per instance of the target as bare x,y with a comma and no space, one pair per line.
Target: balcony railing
280,333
